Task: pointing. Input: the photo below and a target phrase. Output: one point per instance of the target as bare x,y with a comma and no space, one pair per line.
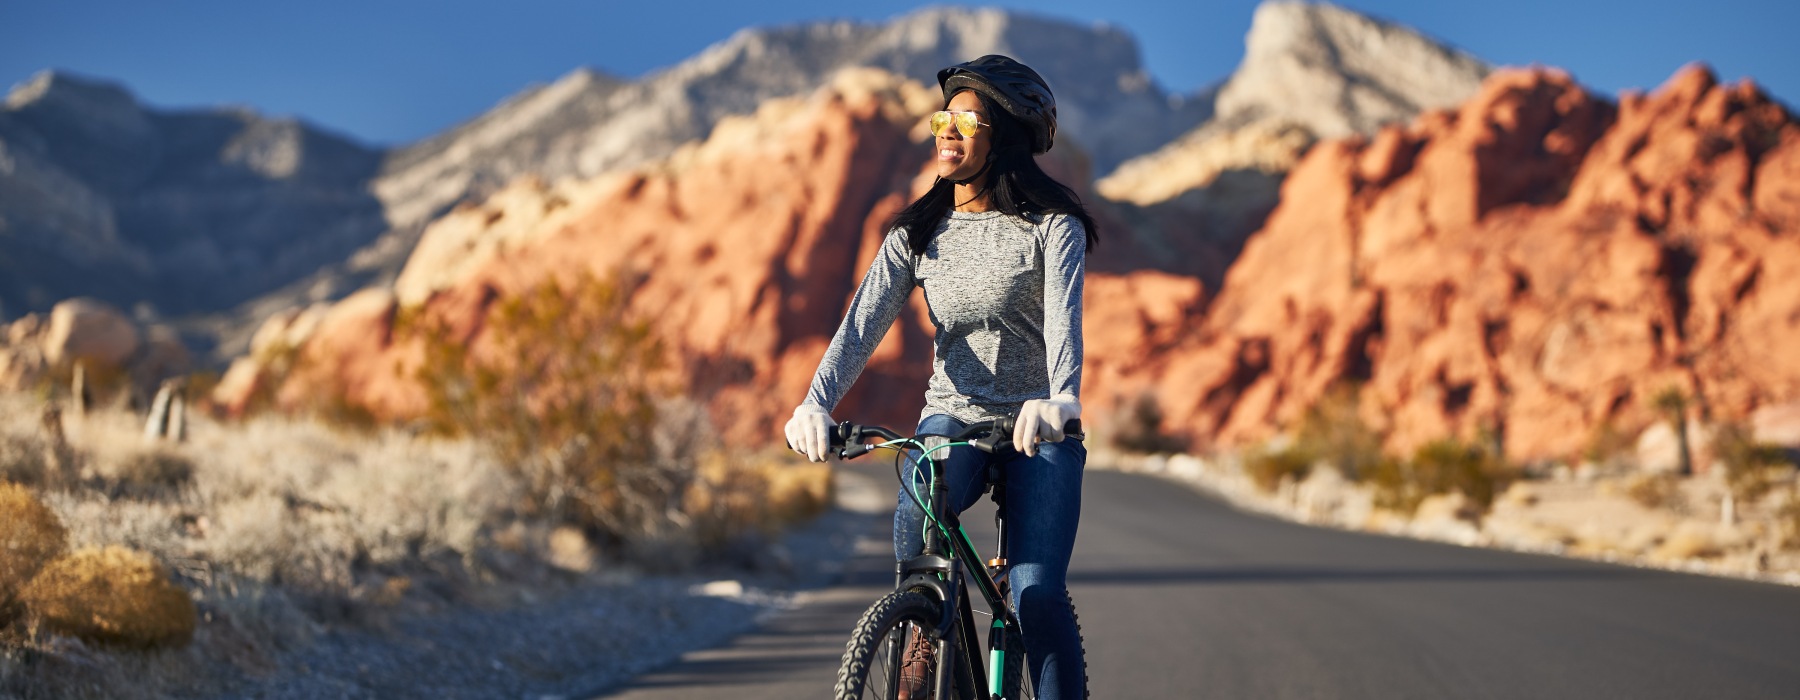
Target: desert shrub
22,460
1654,490
1140,428
30,537
1751,468
1333,430
762,492
1607,444
151,473
561,387
1267,467
1441,466
1788,520
111,596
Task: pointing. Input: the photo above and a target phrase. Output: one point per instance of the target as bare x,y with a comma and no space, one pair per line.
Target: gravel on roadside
576,642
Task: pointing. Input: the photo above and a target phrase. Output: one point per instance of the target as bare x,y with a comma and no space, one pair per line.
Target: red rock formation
748,247
1538,262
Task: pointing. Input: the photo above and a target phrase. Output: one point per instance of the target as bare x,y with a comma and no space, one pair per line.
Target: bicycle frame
940,570
945,576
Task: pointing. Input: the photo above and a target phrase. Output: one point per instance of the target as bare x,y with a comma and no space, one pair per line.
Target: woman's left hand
1043,419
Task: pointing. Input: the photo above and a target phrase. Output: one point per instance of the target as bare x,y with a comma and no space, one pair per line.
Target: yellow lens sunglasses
965,123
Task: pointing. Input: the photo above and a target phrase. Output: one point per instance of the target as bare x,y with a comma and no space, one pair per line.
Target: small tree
560,383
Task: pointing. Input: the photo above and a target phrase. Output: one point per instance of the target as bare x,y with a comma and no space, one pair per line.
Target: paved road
1183,597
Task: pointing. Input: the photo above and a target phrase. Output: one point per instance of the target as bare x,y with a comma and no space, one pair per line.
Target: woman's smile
960,156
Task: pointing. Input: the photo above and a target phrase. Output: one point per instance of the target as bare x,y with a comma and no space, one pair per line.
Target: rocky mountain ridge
101,196
242,216
1310,72
1537,264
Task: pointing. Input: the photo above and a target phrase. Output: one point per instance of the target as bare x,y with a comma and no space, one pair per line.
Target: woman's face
959,157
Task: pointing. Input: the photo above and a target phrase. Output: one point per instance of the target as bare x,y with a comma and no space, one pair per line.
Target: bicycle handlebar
988,435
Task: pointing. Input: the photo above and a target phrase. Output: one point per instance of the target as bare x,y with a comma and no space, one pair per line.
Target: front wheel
874,656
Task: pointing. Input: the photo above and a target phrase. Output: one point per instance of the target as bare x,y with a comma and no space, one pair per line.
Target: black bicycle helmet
1015,87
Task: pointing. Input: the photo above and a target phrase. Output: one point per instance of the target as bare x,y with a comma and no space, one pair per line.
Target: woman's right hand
807,431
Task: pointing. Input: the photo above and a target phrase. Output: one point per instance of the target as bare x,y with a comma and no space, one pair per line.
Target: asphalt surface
1181,596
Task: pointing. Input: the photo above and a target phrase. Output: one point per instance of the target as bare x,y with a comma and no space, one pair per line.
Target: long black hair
1015,183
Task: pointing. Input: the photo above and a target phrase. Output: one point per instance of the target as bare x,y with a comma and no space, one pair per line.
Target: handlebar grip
841,434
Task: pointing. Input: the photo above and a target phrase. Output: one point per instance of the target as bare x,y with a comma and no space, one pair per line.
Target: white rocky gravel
578,643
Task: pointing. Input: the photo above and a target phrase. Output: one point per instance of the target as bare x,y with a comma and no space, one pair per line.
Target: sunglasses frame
952,121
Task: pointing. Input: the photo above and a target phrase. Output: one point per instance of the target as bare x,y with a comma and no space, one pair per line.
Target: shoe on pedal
915,668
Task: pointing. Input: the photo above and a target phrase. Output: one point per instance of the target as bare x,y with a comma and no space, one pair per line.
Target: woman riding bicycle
999,248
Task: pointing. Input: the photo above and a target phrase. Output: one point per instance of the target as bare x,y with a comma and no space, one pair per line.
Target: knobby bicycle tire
866,653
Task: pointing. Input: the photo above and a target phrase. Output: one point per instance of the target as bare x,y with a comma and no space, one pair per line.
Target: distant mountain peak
1338,72
47,85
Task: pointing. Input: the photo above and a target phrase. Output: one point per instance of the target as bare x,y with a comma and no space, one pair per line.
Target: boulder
88,330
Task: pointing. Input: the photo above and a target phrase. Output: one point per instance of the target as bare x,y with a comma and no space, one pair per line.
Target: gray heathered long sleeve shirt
1005,295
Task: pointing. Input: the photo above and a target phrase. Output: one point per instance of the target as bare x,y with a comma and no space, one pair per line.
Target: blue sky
389,72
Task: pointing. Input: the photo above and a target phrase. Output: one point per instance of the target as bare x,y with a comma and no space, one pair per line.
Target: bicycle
929,600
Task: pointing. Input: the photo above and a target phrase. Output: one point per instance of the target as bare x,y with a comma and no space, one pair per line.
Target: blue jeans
1043,507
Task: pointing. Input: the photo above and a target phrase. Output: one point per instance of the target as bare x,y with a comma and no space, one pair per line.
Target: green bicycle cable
911,490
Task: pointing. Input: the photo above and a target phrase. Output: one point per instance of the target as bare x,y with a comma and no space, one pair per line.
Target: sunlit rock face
1536,264
746,248
1310,72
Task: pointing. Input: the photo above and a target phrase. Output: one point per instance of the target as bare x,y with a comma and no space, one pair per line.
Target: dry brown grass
277,528
111,595
557,462
31,536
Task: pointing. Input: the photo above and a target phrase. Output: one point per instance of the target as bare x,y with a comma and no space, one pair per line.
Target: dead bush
30,537
150,474
1140,428
22,460
1441,466
114,596
1655,491
1789,522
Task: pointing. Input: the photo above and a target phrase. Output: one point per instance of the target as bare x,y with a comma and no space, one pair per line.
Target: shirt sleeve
877,303
1065,269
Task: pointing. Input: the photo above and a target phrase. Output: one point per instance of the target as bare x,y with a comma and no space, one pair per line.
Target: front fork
933,570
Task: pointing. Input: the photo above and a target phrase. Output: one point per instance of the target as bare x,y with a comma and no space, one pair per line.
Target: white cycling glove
807,431
1043,419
